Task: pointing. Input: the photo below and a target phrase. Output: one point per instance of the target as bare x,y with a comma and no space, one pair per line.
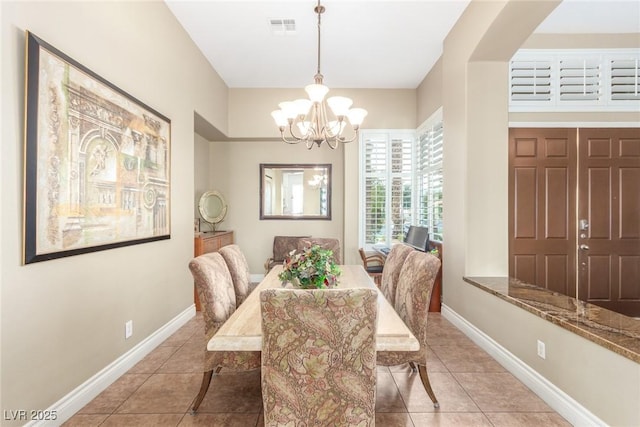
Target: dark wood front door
609,218
542,182
574,213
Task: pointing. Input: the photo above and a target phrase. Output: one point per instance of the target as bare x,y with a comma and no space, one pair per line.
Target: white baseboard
66,407
557,399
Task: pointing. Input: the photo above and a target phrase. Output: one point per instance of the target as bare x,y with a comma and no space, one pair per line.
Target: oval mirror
212,207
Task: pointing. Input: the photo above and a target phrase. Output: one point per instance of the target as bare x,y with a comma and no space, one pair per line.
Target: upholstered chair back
239,269
413,295
215,290
218,300
282,247
325,243
391,271
318,357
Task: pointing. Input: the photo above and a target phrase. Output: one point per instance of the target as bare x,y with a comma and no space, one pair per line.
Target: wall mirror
212,207
295,191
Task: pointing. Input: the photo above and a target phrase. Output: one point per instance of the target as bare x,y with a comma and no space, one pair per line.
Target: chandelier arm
289,141
353,138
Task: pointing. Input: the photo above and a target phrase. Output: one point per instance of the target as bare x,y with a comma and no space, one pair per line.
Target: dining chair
239,269
325,243
413,296
391,271
218,301
319,356
373,265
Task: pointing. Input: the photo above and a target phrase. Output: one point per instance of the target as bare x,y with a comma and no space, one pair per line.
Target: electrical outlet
128,329
542,351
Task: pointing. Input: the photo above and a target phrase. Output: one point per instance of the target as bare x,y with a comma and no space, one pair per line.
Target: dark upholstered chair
218,300
391,272
325,243
318,357
282,246
413,295
239,269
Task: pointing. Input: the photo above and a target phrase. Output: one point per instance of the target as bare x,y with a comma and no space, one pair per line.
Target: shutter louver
580,80
625,79
530,80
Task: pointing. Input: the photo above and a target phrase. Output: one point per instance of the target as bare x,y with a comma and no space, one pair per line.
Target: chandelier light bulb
316,92
356,116
339,105
303,106
289,110
280,119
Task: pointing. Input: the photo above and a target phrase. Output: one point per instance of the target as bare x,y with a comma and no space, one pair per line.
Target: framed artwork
97,161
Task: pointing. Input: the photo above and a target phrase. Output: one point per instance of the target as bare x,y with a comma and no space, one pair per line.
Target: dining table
242,331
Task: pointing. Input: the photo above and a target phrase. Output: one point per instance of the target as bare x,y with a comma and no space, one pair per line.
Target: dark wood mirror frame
322,189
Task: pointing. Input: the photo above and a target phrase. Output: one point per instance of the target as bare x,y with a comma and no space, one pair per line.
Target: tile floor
472,388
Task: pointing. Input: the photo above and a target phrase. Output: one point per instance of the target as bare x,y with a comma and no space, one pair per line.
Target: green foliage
312,268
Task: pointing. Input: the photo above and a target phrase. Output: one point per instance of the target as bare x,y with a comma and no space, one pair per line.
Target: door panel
542,182
609,199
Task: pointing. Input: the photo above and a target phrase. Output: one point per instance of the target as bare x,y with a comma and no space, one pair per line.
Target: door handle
584,247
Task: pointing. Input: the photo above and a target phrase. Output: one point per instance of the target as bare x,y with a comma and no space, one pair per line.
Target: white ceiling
365,43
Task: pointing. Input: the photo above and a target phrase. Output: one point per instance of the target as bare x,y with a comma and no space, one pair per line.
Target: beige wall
388,109
475,110
63,320
250,109
429,93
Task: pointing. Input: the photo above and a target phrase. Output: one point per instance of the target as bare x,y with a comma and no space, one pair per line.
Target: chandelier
310,121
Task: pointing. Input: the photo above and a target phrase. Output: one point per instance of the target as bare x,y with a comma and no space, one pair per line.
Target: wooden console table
209,242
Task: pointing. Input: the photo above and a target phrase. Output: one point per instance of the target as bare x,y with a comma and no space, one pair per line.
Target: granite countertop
614,331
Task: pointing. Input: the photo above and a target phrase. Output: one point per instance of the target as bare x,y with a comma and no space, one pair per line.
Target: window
401,183
575,80
387,182
429,171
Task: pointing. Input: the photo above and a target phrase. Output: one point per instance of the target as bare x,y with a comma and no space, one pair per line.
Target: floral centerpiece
314,267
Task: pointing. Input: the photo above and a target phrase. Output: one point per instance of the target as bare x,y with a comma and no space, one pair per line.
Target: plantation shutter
430,155
625,79
375,188
574,80
531,80
580,79
387,196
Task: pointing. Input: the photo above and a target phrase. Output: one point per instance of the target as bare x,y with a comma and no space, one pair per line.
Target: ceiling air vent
282,26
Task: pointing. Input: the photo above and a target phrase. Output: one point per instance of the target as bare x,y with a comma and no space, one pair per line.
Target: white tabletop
243,330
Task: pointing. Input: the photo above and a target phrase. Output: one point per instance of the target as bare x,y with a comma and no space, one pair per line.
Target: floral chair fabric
218,300
239,269
282,245
318,357
413,296
391,271
325,243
